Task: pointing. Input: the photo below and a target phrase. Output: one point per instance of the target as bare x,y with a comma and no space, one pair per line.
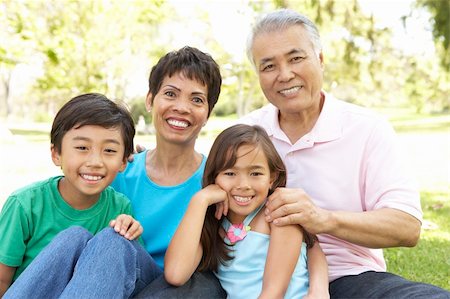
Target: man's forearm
375,229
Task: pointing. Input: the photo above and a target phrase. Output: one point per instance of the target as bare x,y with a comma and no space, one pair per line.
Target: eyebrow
81,138
193,93
293,51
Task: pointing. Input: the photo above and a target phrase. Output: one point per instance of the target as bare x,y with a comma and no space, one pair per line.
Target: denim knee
73,236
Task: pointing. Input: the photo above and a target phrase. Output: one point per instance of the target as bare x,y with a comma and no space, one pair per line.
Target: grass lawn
429,261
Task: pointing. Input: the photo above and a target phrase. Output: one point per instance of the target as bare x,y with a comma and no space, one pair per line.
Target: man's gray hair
282,19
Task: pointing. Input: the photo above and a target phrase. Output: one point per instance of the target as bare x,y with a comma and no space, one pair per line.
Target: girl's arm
318,273
284,250
185,251
6,276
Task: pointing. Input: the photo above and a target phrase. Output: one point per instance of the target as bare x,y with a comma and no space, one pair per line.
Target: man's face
290,72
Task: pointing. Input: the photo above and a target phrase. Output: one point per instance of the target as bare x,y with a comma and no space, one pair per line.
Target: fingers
127,226
219,210
134,231
225,208
287,206
284,215
140,148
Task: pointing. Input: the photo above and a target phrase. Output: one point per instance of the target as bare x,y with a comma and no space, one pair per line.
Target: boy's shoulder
32,196
36,188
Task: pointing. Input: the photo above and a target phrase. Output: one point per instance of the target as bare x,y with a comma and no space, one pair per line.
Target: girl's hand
127,226
216,195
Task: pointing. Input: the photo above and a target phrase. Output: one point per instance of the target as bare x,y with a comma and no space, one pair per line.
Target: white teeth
91,177
177,123
290,90
242,199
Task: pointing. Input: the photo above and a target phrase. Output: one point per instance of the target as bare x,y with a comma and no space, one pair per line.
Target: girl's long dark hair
223,155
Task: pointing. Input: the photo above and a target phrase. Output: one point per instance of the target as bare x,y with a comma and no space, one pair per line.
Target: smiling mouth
178,123
242,199
91,177
290,91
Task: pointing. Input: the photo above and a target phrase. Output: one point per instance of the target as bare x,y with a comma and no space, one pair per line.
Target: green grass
406,120
429,261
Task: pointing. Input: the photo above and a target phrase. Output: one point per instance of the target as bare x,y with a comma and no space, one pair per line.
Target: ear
124,165
56,156
273,178
149,101
321,60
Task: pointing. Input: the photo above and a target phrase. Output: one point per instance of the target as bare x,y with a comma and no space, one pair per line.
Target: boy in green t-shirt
91,138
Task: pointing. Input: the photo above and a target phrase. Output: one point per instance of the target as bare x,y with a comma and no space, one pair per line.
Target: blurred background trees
52,50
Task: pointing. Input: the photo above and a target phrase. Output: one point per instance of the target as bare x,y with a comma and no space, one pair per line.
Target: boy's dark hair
192,63
93,109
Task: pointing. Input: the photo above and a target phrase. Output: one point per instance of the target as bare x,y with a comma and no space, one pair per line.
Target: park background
392,56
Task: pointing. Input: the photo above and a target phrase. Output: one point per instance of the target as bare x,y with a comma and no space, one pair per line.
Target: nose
285,73
243,184
95,159
182,105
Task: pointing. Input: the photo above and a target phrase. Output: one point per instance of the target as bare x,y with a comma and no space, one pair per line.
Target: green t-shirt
33,215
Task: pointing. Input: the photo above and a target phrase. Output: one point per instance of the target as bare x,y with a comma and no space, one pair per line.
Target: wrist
329,222
201,199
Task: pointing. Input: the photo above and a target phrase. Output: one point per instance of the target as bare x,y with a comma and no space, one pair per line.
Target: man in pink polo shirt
345,181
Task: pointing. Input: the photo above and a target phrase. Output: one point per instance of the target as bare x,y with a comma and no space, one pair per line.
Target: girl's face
247,183
179,109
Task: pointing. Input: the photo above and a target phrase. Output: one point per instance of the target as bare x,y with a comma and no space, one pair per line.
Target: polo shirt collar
329,124
327,128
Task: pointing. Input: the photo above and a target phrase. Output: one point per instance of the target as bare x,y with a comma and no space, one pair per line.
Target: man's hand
127,226
293,206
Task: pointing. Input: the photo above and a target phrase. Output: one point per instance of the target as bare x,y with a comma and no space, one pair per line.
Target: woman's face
179,109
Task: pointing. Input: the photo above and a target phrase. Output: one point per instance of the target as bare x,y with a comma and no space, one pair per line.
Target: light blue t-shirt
242,277
159,209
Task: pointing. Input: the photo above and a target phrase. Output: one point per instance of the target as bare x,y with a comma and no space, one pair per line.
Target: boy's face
247,182
90,158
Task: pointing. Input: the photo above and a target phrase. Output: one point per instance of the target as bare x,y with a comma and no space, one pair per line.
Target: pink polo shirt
348,162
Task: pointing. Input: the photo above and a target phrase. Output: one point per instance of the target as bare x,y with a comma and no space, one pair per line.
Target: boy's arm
318,273
284,250
185,251
6,276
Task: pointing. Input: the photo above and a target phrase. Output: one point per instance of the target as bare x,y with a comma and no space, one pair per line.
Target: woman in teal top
184,86
224,228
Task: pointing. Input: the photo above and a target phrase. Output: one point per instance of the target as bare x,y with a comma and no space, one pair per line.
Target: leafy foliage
110,46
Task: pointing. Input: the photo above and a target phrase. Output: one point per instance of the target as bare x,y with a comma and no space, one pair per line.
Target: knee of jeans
109,236
75,235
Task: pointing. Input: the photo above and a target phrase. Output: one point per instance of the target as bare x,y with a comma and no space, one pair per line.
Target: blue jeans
373,284
77,264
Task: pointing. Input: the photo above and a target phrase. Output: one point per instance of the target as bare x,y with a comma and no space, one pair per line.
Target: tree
83,46
440,21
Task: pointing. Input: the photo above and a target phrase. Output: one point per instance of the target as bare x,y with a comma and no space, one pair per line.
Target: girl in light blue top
251,258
